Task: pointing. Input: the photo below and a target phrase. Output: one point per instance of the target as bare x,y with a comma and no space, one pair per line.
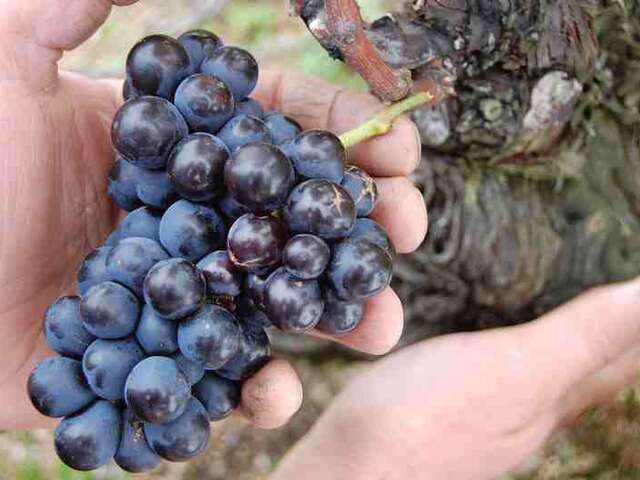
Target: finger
317,104
586,335
272,396
402,212
381,326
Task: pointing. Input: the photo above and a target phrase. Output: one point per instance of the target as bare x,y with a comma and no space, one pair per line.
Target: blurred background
605,445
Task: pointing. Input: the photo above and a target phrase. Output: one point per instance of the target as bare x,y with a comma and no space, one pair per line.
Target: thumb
589,344
37,32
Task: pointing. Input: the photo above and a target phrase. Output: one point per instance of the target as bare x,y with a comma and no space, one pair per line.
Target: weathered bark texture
532,172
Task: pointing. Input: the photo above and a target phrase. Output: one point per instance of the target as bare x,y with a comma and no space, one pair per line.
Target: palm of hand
55,204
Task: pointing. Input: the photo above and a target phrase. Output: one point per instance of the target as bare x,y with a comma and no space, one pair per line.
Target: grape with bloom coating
235,67
131,259
110,311
243,130
205,102
193,371
259,176
306,256
156,335
318,154
93,269
362,188
143,222
339,317
122,184
221,275
253,353
370,230
199,44
218,395
134,454
249,106
282,128
63,328
255,242
321,208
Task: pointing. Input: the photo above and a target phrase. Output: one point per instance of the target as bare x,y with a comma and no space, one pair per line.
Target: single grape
339,317
134,454
154,188
156,335
146,129
129,92
219,396
292,304
198,45
249,106
64,330
193,371
306,256
253,353
359,269
282,128
89,439
256,242
243,130
259,176
248,314
196,167
183,438
362,188
110,311
205,102
93,269
122,184
231,208
129,262
210,337
254,286
157,390
143,222
369,230
222,277
174,288
112,240
321,208
191,231
58,388
107,363
318,154
156,65
235,67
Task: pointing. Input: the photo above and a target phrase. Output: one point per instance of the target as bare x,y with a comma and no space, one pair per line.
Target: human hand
474,406
55,208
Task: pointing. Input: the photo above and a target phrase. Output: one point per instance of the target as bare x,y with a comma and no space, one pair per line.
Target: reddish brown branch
346,27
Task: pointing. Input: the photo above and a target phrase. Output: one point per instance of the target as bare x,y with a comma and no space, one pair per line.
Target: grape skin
234,66
219,396
64,330
306,256
134,454
253,353
110,311
222,277
156,335
193,371
142,222
339,317
318,154
249,106
199,44
205,102
255,242
122,183
242,130
93,269
367,229
362,188
282,128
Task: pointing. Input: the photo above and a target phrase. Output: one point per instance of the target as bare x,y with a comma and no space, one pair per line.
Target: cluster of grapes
238,221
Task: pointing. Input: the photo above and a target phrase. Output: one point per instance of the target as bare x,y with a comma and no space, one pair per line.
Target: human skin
54,207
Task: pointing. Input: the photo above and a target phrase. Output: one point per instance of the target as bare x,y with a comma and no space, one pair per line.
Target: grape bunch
238,222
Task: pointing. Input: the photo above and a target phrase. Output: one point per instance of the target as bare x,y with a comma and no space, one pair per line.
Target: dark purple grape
306,256
110,311
156,65
57,387
359,269
156,335
193,371
339,317
154,188
183,438
249,106
362,188
205,102
134,454
222,277
143,222
235,67
107,363
157,391
129,262
64,330
318,154
145,131
259,176
210,336
255,242
219,396
243,130
292,304
321,208
122,184
255,290
89,439
191,231
282,128
129,92
112,240
231,208
248,314
369,230
253,354
196,167
199,44
175,288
